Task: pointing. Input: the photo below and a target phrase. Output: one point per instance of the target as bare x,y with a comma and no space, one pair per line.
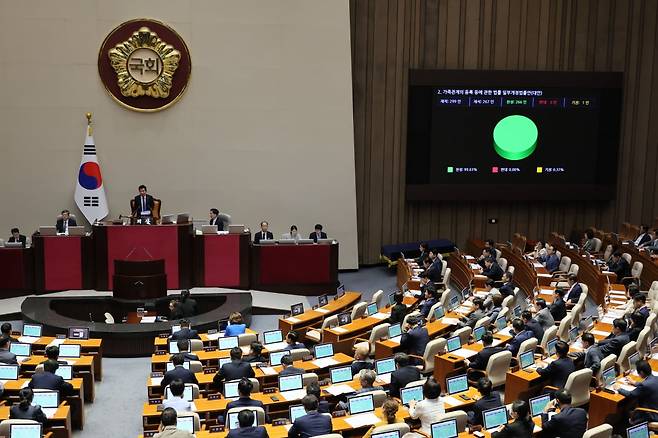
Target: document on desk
321,310
269,371
505,331
474,266
156,381
449,321
599,332
325,362
608,319
293,320
337,390
463,309
147,320
537,265
293,395
380,315
28,339
56,342
50,412
464,352
385,378
546,291
361,420
339,329
450,400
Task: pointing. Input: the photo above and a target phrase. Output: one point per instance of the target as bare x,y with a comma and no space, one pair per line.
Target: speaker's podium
139,277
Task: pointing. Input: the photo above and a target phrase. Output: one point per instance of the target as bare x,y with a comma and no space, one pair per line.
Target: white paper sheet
361,420
337,390
293,319
293,395
449,321
464,352
380,315
599,332
451,401
339,329
28,339
147,320
386,378
321,310
56,342
269,371
325,362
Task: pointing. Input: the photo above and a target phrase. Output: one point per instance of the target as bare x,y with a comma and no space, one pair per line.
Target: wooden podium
139,279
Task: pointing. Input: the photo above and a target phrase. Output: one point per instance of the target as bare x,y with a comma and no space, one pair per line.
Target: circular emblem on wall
144,65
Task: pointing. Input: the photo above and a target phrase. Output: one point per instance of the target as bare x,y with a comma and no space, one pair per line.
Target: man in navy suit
244,389
415,337
143,203
558,371
643,237
65,222
216,220
178,372
434,269
508,286
492,269
16,236
551,261
616,341
246,429
575,289
645,392
429,290
481,359
49,380
568,423
185,332
488,401
311,424
288,369
520,335
404,374
263,234
591,354
532,325
184,348
619,266
234,370
558,308
6,356
317,234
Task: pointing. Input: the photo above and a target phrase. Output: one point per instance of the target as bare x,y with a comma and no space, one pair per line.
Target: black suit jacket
645,238
359,365
568,423
244,402
414,341
434,271
613,345
398,312
291,370
557,372
31,413
574,293
248,432
217,221
489,402
621,268
233,370
185,334
558,309
495,272
21,239
188,308
516,429
315,236
536,329
481,359
402,376
138,204
60,224
309,425
46,380
507,289
259,234
178,372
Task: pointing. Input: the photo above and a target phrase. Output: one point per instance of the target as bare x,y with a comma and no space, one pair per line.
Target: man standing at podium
216,220
65,222
143,203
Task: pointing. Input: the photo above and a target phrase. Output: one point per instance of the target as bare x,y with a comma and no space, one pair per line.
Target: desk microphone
90,318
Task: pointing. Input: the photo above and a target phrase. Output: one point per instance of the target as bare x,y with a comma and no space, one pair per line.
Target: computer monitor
478,332
272,337
171,366
538,404
65,372
69,350
46,399
340,290
8,372
344,318
297,309
411,393
633,358
638,431
444,429
275,357
290,382
81,333
323,300
296,411
385,366
391,299
454,302
33,330
224,360
231,389
185,423
188,394
173,347
371,309
573,334
175,328
454,343
517,311
323,350
233,423
494,417
608,376
550,346
457,384
465,293
340,374
394,331
20,349
389,434
228,342
25,430
527,359
361,403
439,312
501,323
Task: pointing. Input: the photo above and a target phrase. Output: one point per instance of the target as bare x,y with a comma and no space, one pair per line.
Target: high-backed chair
420,382
652,294
225,218
260,412
597,244
563,267
377,298
433,347
643,339
502,262
299,353
308,378
651,321
602,431
196,345
329,322
563,328
606,363
499,253
560,280
510,269
578,385
549,334
444,298
155,213
464,334
245,339
379,397
359,310
460,416
636,273
378,332
576,313
402,428
446,279
496,369
527,345
626,351
627,257
482,322
196,366
508,301
607,253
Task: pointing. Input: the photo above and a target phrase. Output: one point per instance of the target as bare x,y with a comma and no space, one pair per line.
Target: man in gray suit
543,316
167,429
6,356
475,315
591,356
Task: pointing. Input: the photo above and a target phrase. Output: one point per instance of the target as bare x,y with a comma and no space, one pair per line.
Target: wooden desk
522,385
16,271
406,275
59,424
162,344
589,274
313,318
83,367
88,347
461,273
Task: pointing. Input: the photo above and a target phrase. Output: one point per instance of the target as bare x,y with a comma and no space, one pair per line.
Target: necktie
143,203
264,238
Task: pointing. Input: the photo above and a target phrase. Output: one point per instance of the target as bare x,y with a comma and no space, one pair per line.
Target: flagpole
89,130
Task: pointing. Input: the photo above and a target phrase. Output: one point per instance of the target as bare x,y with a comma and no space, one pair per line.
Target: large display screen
503,135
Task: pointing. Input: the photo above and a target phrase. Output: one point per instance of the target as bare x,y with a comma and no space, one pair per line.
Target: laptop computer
69,350
517,311
186,423
638,431
21,350
608,377
236,229
227,342
325,241
538,404
411,393
344,318
32,330
223,360
395,332
388,434
170,365
65,372
454,302
453,344
573,334
271,242
167,219
526,359
457,384
501,323
76,231
48,400
439,312
444,429
291,382
232,420
175,328
391,299
188,394
323,350
81,333
632,360
384,367
272,337
550,346
323,300
48,230
495,417
8,372
360,404
296,411
275,357
478,332
231,389
25,430
340,374
13,244
209,229
371,309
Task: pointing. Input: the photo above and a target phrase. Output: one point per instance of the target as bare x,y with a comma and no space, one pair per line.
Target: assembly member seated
179,372
65,222
144,204
489,400
558,371
645,393
25,410
176,401
184,349
415,337
568,423
16,236
236,369
244,389
5,330
185,332
49,380
288,369
246,429
6,356
263,234
403,374
317,234
311,424
167,428
481,359
52,353
216,220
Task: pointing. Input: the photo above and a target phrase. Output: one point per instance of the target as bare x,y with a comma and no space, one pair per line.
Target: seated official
65,222
551,261
6,356
399,309
293,234
313,423
175,310
236,325
590,244
185,332
286,363
414,337
532,325
263,234
313,388
492,269
478,313
389,415
570,422
430,409
292,339
52,353
619,266
481,359
430,299
49,380
574,291
167,428
247,429
617,339
496,306
216,220
234,370
508,286
645,393
187,304
558,307
639,303
25,410
244,390
361,358
317,233
489,400
486,253
5,330
434,272
179,372
521,427
543,315
653,240
176,401
591,354
520,334
403,374
184,349
558,371
367,380
637,321
424,253
643,237
16,236
144,204
255,353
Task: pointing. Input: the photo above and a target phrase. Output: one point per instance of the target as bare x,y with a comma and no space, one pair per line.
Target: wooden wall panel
389,37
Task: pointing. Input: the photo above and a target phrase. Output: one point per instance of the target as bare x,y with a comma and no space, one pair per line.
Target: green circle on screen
515,137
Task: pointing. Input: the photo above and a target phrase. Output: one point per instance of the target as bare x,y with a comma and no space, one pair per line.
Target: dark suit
7,357
21,239
402,376
148,207
433,272
309,425
613,345
536,329
253,359
495,272
621,268
645,237
359,365
414,341
558,309
646,394
552,262
291,370
398,312
507,289
259,236
426,306
185,333
574,293
516,429
178,372
245,402
515,343
60,224
481,359
568,423
217,221
248,432
315,236
488,402
233,370
188,307
591,358
187,357
52,381
557,372
31,413
420,258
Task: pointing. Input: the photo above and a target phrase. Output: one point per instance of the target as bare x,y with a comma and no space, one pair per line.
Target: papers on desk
464,352
50,412
505,331
474,266
321,310
293,319
599,332
222,233
28,339
156,381
339,329
536,429
463,309
544,275
69,361
385,378
56,342
546,291
537,265
449,321
481,294
325,362
626,387
269,371
361,420
337,390
380,315
276,346
215,336
615,313
147,320
293,395
395,339
607,319
450,400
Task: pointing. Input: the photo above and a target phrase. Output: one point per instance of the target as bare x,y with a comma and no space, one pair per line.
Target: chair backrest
502,262
409,315
225,218
507,301
246,339
5,425
444,269
527,345
483,322
464,334
607,253
565,264
37,370
497,367
196,345
576,313
498,253
505,311
602,431
460,416
578,385
359,310
433,347
378,297
563,329
109,319
308,378
627,257
378,333
606,363
157,206
643,339
444,296
196,366
636,270
330,321
548,335
260,412
195,387
573,269
299,353
510,269
651,320
583,295
652,295
379,397
446,277
401,427
626,351
597,244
